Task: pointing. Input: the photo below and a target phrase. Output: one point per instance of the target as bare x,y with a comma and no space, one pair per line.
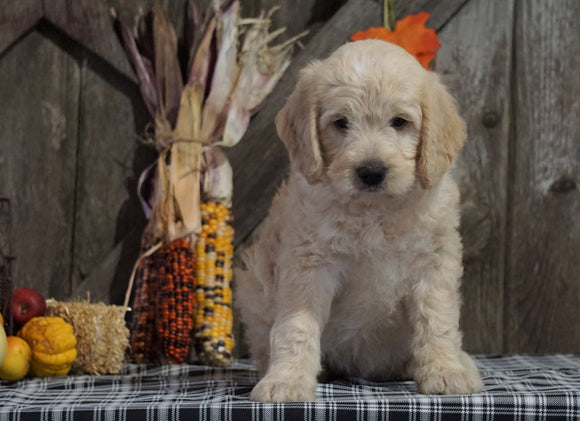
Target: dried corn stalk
230,70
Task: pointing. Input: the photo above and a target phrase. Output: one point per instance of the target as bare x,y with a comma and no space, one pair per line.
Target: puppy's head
370,119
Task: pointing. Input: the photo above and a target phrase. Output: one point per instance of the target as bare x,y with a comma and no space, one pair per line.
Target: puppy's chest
369,239
376,259
371,297
381,276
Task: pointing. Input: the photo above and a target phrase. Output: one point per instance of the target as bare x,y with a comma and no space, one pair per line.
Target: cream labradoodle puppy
358,265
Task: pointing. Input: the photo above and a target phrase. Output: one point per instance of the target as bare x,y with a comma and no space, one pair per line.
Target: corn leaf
261,67
266,71
236,124
192,32
176,211
217,177
167,68
202,63
224,74
144,36
219,124
143,68
146,188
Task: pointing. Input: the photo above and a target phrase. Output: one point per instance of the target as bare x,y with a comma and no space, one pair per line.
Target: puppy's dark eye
398,122
341,123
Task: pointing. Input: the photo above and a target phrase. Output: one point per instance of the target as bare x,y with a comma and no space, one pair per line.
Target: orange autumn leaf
411,34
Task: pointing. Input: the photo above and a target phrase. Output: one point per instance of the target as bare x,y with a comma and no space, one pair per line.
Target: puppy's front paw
446,377
273,389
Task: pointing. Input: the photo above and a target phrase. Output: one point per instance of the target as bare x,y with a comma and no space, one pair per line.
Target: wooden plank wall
69,158
543,265
39,176
476,65
70,131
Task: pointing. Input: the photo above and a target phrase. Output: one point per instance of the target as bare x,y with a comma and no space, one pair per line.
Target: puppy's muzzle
371,175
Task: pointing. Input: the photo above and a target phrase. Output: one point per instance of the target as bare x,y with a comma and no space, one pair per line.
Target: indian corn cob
164,305
175,301
143,308
214,317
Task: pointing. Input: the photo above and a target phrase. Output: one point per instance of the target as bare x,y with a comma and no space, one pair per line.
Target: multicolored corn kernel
214,316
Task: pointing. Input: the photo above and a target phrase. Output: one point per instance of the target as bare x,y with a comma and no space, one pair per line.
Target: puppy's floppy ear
297,126
442,133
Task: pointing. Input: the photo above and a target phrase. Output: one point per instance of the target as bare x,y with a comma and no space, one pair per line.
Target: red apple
26,304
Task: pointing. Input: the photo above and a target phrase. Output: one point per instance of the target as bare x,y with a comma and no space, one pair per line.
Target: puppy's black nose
372,174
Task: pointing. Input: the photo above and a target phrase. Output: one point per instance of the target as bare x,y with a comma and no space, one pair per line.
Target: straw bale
102,336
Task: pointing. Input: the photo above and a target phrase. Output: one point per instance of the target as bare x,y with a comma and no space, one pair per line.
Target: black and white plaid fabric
516,387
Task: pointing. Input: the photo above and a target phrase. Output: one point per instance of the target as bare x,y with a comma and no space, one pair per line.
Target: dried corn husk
176,211
102,337
167,71
260,69
231,69
216,105
143,68
217,182
203,59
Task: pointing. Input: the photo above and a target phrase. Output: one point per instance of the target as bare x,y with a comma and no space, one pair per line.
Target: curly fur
361,279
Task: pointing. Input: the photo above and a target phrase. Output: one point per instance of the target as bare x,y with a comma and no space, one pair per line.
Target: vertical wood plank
110,159
543,289
476,65
441,11
17,17
38,128
89,23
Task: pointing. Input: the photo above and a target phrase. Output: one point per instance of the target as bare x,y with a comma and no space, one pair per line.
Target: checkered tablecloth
516,387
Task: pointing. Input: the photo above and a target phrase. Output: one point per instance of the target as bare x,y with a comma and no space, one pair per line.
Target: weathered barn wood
108,154
476,65
86,22
441,11
38,159
16,18
543,266
89,24
69,158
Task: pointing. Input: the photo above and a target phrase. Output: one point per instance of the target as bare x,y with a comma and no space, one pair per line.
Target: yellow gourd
53,345
3,343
